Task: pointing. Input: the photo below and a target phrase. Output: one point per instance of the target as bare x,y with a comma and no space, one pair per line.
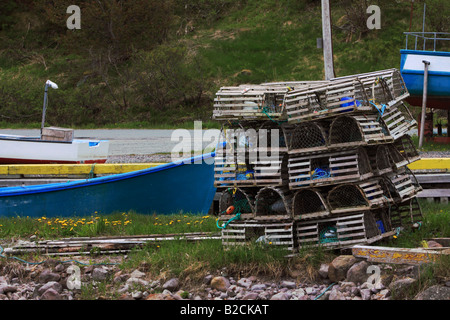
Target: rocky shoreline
345,278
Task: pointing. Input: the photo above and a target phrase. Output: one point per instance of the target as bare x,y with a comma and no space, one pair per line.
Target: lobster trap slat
406,213
250,158
247,232
347,131
326,100
242,200
330,168
246,102
341,231
380,159
398,119
308,204
353,197
406,148
402,185
382,86
273,202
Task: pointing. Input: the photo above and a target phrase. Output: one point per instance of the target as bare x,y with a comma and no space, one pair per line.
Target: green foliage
160,62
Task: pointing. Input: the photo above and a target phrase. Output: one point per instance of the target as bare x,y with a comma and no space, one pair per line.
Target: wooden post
327,40
424,102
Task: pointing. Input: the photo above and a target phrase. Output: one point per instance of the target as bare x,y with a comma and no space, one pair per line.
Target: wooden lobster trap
250,102
384,86
402,185
278,234
343,231
357,197
406,148
329,168
406,213
326,100
248,158
309,204
238,200
273,203
350,131
398,119
307,137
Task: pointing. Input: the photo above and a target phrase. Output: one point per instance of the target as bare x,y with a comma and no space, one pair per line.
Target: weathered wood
414,256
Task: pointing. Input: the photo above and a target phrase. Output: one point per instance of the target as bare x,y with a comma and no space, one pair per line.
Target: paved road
140,141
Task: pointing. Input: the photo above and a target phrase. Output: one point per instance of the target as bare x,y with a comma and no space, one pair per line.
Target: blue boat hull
186,186
412,70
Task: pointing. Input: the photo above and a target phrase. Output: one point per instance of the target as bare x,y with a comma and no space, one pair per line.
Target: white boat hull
18,149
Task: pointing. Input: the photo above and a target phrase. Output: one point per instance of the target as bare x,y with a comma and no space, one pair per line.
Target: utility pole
424,102
327,40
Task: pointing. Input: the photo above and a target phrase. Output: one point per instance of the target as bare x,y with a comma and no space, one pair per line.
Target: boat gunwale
53,187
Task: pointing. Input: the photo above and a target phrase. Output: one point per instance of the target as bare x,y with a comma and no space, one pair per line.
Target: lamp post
53,86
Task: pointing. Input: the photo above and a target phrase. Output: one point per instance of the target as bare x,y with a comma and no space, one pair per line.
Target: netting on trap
402,184
308,137
251,158
396,156
384,86
406,213
406,148
398,119
272,202
349,131
250,102
347,198
242,200
329,168
308,204
340,231
326,100
252,232
380,159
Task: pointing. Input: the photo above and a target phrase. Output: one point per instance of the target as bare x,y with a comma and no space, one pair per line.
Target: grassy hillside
149,63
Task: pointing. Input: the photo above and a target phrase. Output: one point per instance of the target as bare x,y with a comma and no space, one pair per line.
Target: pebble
48,283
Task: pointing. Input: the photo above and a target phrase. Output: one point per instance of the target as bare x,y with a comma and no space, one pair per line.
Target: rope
59,261
236,217
324,291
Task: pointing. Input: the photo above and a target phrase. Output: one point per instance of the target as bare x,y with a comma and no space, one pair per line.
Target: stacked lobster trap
316,163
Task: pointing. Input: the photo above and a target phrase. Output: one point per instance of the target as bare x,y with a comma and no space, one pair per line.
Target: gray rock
47,276
50,285
288,284
358,272
99,274
250,296
171,284
245,282
279,296
436,292
51,294
400,287
365,294
5,288
259,287
137,274
323,271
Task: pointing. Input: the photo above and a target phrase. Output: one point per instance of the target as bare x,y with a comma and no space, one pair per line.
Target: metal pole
424,101
44,108
423,25
327,40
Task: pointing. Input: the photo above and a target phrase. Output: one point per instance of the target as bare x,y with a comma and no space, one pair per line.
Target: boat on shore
37,150
182,186
53,146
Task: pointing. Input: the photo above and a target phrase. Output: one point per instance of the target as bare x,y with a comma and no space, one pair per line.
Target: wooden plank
414,256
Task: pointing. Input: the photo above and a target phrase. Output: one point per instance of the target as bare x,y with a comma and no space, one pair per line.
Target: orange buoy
230,210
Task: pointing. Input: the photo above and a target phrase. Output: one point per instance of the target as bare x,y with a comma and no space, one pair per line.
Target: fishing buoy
230,210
